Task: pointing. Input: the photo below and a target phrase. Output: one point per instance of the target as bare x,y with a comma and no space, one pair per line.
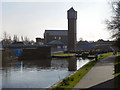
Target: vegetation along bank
70,81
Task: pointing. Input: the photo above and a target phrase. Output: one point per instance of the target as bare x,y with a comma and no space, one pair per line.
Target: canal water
38,73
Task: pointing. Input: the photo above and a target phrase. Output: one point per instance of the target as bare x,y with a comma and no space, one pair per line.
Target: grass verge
67,54
72,80
117,72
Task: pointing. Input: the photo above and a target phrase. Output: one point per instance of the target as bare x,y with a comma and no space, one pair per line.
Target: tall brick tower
72,17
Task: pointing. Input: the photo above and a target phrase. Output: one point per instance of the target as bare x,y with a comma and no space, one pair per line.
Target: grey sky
32,18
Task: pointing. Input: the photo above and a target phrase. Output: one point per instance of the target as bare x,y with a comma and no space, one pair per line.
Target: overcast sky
30,18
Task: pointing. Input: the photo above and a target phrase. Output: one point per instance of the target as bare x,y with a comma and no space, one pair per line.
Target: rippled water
38,73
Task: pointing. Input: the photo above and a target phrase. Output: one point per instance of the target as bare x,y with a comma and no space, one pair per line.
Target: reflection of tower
72,66
72,16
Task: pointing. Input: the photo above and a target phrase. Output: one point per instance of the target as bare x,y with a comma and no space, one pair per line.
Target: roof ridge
56,30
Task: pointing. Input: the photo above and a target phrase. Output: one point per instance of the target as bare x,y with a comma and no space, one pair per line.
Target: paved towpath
100,76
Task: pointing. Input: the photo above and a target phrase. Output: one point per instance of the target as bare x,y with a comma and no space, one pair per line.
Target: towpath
100,76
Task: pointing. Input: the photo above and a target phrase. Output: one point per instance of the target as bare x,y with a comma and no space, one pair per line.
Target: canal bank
72,80
100,76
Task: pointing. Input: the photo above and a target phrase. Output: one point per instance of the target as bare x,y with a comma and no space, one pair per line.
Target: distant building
40,41
29,51
5,42
18,43
56,46
99,45
1,48
60,35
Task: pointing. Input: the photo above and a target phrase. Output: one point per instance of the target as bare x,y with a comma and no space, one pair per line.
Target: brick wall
36,53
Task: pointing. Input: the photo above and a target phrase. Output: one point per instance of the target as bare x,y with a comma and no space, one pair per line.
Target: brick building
40,41
60,35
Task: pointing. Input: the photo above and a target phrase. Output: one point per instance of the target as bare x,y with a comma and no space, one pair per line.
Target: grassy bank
117,72
67,54
72,80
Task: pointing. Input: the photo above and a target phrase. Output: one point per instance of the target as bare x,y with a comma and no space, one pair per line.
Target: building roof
55,42
18,43
57,32
26,46
71,9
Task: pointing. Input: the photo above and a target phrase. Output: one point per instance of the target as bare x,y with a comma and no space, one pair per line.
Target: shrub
72,79
65,82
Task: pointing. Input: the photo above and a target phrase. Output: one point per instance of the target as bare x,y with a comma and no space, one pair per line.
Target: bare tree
32,42
26,40
80,39
114,24
6,40
22,38
5,36
15,38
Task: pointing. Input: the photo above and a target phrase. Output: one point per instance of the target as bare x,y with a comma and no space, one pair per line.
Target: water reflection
38,73
60,64
81,62
37,63
72,64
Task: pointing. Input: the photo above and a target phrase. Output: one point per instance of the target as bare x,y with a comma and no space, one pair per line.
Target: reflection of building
37,63
60,35
72,16
72,65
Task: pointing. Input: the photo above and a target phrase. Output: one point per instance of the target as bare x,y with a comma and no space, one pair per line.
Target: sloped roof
18,43
55,42
27,45
71,9
57,32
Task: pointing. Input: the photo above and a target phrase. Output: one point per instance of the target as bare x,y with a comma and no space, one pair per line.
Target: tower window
55,37
59,38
